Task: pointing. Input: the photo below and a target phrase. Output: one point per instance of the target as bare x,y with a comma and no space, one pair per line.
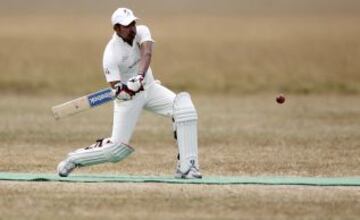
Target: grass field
144,201
234,57
311,136
306,136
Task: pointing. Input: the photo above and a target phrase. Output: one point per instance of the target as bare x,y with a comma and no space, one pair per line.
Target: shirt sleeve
143,34
111,70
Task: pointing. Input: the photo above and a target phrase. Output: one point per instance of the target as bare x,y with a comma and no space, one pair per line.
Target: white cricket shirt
121,60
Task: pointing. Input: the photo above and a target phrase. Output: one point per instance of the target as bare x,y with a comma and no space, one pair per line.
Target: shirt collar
117,38
120,40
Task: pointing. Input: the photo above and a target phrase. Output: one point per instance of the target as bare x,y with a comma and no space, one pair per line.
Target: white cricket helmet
123,16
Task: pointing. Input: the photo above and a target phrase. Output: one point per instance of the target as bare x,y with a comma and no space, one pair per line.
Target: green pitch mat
213,180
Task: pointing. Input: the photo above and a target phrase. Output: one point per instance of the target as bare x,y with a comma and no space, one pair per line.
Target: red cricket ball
280,99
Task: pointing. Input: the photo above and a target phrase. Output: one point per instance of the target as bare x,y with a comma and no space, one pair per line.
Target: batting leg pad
104,150
185,117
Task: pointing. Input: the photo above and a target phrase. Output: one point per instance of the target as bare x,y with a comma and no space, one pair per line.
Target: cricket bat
83,103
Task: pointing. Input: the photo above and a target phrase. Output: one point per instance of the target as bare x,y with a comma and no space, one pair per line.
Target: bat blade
83,103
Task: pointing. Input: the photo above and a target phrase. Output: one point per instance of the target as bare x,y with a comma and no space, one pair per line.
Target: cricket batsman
126,64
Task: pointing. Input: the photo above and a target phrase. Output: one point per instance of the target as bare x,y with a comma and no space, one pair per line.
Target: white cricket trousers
156,98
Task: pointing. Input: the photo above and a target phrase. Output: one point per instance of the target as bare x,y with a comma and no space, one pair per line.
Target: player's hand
135,84
122,92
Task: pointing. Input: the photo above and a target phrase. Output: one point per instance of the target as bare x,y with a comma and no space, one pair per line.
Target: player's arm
145,57
146,42
135,84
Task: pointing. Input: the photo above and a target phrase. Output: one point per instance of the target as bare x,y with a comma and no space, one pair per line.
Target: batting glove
122,92
135,84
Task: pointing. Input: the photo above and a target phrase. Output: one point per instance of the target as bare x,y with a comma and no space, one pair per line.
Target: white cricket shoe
65,167
192,173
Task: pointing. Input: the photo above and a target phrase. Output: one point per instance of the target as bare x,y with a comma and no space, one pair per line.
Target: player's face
127,32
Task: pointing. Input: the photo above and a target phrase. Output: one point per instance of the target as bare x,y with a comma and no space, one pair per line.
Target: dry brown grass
245,135
158,201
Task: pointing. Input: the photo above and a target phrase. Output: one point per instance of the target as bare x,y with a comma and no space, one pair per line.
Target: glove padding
122,92
135,84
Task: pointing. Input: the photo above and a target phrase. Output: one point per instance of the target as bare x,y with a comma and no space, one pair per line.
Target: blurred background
53,47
